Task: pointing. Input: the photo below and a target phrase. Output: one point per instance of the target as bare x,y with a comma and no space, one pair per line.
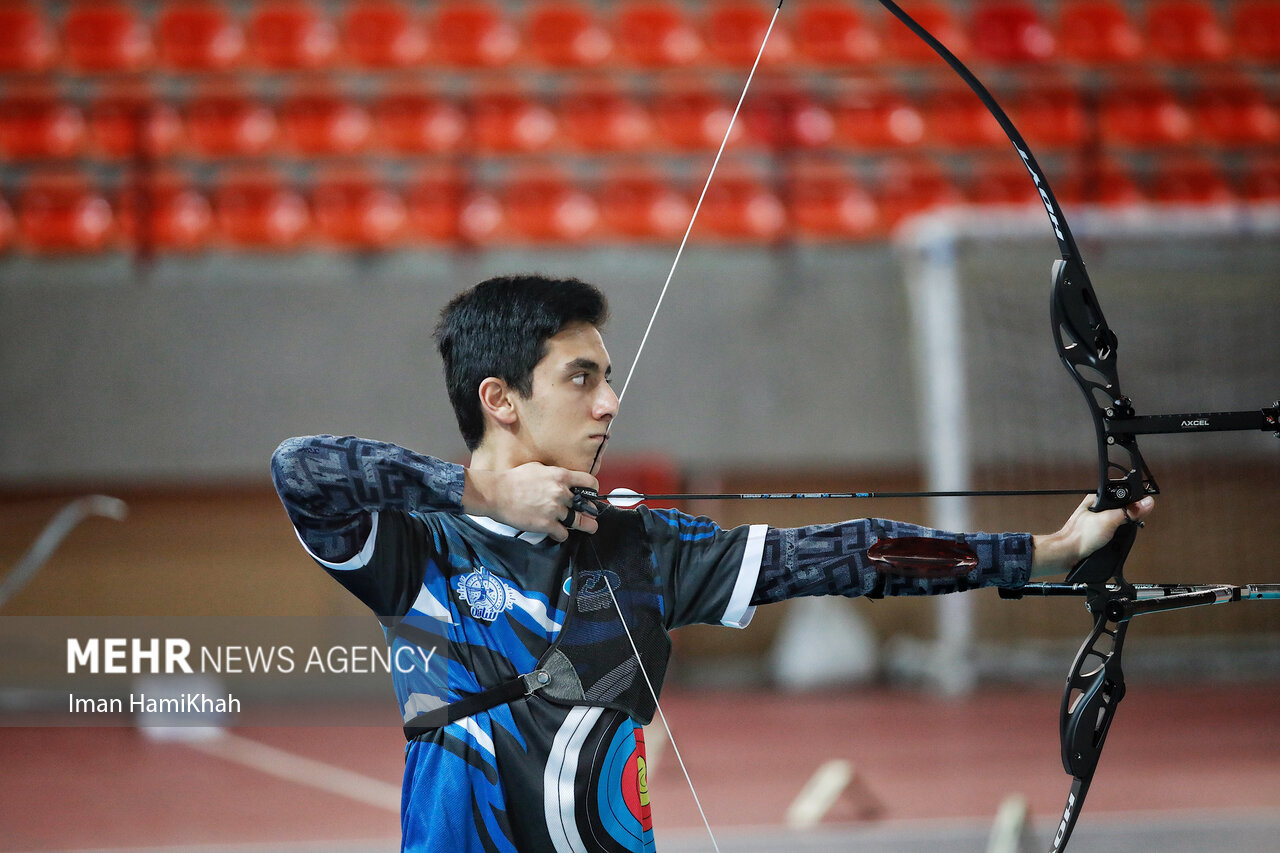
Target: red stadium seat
106,36
1010,32
639,205
417,122
198,36
1186,31
474,34
1260,182
876,119
1189,181
912,187
1002,183
787,119
384,34
834,33
1256,30
225,122
320,122
1234,114
61,213
504,120
1143,115
829,203
902,45
435,201
1050,117
353,210
599,119
37,124
692,118
164,213
483,220
1098,182
656,34
27,41
1097,32
544,206
567,34
740,207
735,31
8,228
255,210
129,121
955,118
290,35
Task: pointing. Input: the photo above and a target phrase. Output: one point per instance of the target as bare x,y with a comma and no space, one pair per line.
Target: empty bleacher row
351,207
218,35
320,119
184,125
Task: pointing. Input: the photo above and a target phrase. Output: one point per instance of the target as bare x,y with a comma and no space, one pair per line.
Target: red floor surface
1201,748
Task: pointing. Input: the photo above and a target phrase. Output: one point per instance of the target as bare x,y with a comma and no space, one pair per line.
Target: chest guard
592,661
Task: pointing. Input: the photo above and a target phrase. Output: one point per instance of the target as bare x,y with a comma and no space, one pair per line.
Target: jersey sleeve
352,503
386,573
331,485
709,573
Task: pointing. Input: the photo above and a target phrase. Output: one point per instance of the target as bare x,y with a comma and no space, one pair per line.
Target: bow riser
1088,349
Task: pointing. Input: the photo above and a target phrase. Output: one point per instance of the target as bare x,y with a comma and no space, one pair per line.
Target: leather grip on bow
1108,561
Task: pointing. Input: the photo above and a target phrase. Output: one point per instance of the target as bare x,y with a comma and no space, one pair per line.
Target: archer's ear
497,400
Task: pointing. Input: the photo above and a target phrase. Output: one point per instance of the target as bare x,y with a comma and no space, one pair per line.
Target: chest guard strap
591,661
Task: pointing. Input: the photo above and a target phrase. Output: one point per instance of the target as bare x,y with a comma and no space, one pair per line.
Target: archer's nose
606,402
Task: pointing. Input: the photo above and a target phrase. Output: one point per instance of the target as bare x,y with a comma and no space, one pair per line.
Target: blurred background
227,222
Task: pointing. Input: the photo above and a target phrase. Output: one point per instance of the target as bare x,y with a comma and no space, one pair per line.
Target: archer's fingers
1139,510
581,480
578,520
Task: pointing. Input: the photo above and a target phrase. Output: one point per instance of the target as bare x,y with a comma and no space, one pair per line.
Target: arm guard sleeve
831,559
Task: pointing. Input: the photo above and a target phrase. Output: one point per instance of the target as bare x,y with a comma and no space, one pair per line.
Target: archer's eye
579,379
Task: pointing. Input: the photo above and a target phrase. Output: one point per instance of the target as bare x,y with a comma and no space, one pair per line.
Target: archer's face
566,417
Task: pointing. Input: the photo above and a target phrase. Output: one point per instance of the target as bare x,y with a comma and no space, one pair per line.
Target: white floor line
303,771
819,794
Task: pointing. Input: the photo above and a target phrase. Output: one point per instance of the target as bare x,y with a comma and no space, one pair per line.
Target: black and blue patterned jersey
484,602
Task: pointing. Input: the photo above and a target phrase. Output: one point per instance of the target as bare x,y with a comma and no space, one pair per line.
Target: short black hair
500,328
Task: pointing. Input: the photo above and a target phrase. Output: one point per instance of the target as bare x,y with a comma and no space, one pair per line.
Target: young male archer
524,726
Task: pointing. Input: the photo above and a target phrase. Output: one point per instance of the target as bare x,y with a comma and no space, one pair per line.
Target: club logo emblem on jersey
486,593
597,590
